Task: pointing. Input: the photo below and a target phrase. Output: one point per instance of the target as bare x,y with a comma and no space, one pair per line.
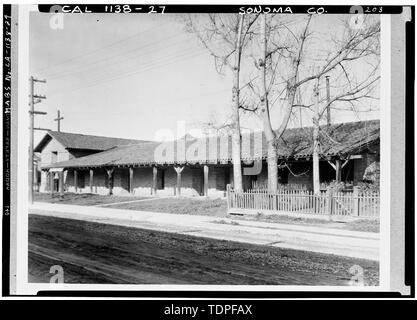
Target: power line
129,74
211,93
124,60
157,64
101,48
105,59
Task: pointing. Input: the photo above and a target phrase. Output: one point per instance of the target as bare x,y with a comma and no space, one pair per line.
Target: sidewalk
316,239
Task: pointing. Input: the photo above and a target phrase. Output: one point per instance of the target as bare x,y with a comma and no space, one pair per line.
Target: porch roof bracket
345,163
179,169
332,164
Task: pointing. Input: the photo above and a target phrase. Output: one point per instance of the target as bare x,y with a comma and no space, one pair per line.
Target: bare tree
291,58
268,64
355,46
225,36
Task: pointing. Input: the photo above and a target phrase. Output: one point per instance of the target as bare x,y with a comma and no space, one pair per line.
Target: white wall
46,154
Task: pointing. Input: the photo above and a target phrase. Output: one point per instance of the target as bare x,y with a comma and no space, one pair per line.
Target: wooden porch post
76,180
47,180
61,183
206,172
51,182
338,168
131,180
338,171
154,178
110,178
179,170
91,180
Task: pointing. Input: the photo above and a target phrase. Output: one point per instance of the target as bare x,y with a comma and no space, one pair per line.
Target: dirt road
100,253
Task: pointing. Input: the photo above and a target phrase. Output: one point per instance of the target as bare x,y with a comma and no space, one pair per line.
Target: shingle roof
336,140
83,141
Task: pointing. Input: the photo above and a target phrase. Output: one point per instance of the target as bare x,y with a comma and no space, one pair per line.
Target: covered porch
163,180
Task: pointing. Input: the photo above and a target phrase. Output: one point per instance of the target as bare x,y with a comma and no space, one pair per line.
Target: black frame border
409,164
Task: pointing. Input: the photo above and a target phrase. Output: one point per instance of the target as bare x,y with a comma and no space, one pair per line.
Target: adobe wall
191,181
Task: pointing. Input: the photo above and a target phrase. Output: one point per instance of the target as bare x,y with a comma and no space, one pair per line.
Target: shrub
337,186
365,186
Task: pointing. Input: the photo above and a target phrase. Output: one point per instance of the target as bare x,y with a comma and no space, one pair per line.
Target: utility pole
328,100
58,119
32,114
316,146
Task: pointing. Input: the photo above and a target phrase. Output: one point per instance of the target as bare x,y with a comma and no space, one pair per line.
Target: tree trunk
236,138
316,145
266,119
272,148
272,167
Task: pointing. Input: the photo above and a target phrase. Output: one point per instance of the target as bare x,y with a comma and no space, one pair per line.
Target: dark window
347,171
327,173
283,176
106,179
227,175
80,179
160,181
56,185
54,156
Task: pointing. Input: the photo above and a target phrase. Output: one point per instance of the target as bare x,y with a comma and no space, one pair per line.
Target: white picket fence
353,204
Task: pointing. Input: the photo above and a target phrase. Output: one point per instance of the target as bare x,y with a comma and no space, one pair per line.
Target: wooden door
197,175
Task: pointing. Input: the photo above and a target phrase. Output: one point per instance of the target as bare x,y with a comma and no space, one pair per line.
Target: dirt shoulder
218,208
99,253
356,225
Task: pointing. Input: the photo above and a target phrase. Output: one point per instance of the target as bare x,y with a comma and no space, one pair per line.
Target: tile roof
83,141
336,140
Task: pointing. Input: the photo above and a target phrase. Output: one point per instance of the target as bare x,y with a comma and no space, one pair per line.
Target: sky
129,76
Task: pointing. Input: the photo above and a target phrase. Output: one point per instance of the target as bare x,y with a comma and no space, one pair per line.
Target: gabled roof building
58,146
204,166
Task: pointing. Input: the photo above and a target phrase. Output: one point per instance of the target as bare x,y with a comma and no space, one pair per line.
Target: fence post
228,197
329,202
356,201
274,198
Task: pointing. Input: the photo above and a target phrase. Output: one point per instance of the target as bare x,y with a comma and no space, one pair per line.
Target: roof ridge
95,136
